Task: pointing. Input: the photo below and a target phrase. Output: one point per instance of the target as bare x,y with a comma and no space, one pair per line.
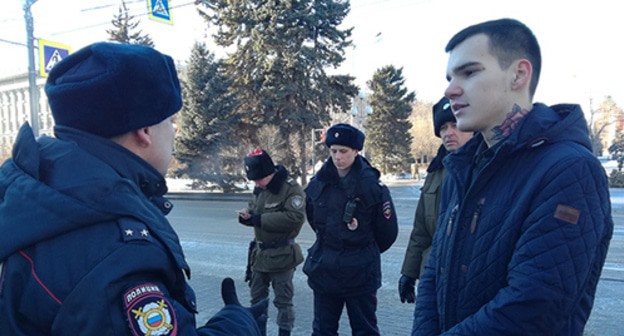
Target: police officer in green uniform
276,212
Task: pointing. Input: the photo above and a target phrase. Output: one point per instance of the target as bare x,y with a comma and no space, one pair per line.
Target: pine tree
387,128
206,124
125,29
283,49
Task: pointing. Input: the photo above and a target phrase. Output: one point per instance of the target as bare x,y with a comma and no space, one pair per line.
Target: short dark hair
509,40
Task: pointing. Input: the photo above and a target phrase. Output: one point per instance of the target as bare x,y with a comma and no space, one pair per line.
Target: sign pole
33,92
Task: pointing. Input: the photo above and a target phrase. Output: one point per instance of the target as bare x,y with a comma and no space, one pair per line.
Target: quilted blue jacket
86,249
520,250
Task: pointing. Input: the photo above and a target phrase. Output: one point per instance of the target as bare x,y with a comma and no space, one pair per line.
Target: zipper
475,216
449,226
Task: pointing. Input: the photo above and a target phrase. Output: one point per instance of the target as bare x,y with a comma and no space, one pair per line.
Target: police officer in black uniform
276,212
86,248
353,217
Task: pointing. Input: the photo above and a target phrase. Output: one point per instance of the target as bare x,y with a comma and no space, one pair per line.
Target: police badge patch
387,210
296,202
149,312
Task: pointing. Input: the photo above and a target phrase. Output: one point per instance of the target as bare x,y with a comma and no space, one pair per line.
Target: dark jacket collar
281,175
123,161
436,163
329,173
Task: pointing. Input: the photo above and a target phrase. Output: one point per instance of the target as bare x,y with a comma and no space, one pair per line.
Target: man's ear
522,71
143,136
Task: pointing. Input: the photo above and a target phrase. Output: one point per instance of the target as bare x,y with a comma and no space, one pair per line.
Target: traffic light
319,135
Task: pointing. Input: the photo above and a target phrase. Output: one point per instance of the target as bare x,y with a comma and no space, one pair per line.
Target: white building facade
15,110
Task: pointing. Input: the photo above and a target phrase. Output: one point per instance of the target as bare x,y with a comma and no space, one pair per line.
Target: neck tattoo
509,124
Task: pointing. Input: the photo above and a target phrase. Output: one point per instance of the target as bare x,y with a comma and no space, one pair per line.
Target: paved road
216,245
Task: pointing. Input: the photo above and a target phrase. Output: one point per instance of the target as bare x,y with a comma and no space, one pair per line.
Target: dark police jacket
345,259
85,247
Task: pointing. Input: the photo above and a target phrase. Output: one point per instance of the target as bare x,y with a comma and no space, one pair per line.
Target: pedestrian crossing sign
51,53
159,10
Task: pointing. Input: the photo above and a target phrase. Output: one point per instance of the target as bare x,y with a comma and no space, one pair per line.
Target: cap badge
336,135
255,152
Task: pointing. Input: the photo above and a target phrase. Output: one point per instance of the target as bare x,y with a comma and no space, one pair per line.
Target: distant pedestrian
426,216
85,247
525,216
276,212
353,217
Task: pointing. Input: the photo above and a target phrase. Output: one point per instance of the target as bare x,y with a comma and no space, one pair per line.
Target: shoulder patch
149,312
297,202
567,214
387,210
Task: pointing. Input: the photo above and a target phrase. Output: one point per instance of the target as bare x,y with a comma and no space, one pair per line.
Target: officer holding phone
276,212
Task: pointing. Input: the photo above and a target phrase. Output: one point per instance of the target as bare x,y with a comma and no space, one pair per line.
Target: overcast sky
581,40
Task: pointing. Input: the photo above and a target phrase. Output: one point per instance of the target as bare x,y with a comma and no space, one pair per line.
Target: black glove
406,289
259,310
248,274
254,220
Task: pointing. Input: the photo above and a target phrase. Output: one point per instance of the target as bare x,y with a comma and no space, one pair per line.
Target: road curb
209,196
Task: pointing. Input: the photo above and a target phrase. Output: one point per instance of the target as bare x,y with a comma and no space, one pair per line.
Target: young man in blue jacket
525,217
85,246
353,217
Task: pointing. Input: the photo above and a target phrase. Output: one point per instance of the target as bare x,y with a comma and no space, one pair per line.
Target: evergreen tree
206,125
125,27
387,128
283,49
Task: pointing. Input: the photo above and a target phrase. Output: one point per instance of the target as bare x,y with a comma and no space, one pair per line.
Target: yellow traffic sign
50,53
160,10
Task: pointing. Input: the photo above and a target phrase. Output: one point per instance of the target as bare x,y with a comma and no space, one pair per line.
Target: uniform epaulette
132,230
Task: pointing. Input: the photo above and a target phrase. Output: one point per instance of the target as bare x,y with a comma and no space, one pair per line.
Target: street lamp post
33,92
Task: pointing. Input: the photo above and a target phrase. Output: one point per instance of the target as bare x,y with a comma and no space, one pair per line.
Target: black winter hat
258,164
345,135
108,89
442,114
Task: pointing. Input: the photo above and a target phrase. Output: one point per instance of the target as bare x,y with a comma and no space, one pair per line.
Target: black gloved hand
406,289
246,222
248,274
254,220
258,311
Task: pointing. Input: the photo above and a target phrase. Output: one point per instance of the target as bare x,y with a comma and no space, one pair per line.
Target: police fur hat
258,164
108,89
345,135
442,114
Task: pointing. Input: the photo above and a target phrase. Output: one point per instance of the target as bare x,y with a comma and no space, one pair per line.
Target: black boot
284,332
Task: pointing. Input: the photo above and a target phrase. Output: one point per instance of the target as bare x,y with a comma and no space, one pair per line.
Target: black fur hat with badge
442,114
258,164
345,135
